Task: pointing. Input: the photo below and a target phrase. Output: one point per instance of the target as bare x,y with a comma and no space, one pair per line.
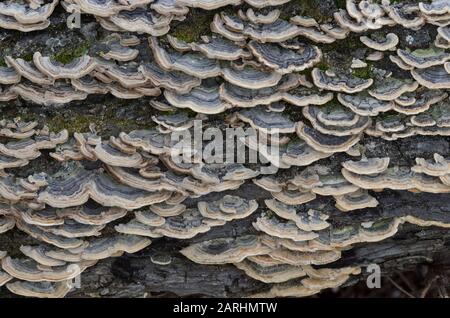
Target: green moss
2,62
191,31
81,122
340,4
27,57
365,72
322,65
67,55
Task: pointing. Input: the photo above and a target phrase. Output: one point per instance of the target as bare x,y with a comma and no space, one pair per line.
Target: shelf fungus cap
191,63
149,218
357,200
29,71
323,142
334,119
78,68
173,80
297,258
202,99
27,269
208,4
6,223
363,104
267,122
435,77
339,83
388,43
367,165
392,88
437,167
311,220
277,227
112,156
37,253
225,250
251,78
228,208
299,153
261,18
424,58
270,274
28,14
107,246
436,7
284,60
166,210
40,289
291,195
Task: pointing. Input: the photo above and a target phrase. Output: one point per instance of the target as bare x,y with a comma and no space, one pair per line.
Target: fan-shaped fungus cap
359,199
277,227
392,88
26,269
363,104
40,289
267,122
339,83
270,274
367,165
311,220
225,250
435,77
228,208
78,68
325,143
388,43
284,60
424,58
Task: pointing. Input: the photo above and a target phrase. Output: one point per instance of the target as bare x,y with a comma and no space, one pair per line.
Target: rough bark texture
135,275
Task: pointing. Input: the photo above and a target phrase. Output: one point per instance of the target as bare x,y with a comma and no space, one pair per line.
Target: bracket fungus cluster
88,195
